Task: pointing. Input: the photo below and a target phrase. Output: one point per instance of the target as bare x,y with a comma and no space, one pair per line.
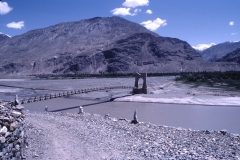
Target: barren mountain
3,37
98,45
218,51
231,57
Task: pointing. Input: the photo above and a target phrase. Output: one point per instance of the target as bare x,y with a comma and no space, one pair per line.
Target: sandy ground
178,93
161,90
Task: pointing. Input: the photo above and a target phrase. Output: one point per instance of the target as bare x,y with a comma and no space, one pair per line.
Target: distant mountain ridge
231,57
202,47
3,37
2,34
98,45
218,51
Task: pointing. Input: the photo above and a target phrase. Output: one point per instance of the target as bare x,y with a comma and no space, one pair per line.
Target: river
195,117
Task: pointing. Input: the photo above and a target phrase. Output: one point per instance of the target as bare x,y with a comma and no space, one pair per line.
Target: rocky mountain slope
3,38
231,57
98,45
218,51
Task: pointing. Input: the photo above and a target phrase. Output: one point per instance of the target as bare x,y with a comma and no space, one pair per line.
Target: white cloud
137,10
16,25
155,24
232,34
202,47
123,12
231,23
135,3
149,11
4,8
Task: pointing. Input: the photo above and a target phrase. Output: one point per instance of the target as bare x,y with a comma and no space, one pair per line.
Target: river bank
12,131
169,102
90,136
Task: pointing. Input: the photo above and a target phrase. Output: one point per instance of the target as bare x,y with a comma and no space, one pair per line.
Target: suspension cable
153,81
151,86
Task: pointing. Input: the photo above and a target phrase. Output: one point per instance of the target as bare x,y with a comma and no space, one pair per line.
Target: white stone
80,110
3,130
16,113
2,139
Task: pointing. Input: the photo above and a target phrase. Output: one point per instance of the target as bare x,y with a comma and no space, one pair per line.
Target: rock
19,107
223,132
46,109
6,119
13,126
35,155
11,139
17,147
11,133
13,150
4,150
135,120
3,130
207,132
80,110
6,124
16,113
7,134
2,139
22,134
10,145
16,101
18,156
16,133
1,118
107,116
9,148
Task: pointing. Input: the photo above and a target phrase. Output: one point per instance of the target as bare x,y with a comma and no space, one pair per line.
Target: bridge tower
137,90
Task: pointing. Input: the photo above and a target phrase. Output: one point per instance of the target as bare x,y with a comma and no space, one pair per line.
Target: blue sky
195,21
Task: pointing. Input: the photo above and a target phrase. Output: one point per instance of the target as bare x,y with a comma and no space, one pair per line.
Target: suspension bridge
136,89
68,93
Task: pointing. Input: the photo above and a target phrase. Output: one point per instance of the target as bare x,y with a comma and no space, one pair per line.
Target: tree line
230,78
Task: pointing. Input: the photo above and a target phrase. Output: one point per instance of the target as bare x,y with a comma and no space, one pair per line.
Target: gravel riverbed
12,133
67,136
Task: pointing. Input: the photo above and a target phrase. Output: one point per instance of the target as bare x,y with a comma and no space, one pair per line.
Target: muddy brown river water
196,117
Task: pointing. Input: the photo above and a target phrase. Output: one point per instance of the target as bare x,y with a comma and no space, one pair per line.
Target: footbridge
136,89
69,93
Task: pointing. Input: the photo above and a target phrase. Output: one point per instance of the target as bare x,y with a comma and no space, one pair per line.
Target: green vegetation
102,75
216,79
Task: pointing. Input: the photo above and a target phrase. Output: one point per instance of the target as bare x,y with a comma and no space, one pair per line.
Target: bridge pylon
136,89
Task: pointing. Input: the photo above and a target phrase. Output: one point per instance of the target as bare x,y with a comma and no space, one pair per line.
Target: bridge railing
68,93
